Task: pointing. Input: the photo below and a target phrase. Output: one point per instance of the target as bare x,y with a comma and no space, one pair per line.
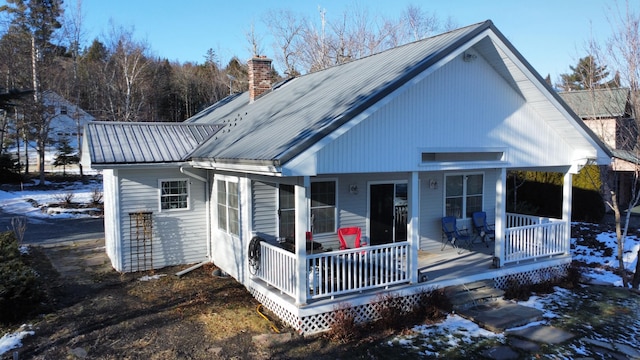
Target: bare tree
126,75
417,23
74,33
286,29
621,54
254,41
624,52
309,45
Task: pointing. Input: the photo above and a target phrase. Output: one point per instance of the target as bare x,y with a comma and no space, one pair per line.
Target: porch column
501,217
567,195
413,226
301,193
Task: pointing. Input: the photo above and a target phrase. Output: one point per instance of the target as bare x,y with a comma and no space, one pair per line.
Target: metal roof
128,143
284,122
627,155
298,113
598,103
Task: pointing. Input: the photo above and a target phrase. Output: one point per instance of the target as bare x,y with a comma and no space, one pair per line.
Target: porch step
472,294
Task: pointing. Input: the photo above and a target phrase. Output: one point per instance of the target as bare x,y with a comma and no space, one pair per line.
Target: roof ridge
487,23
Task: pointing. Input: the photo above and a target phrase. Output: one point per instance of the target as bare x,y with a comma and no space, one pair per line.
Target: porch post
301,193
567,195
413,228
501,217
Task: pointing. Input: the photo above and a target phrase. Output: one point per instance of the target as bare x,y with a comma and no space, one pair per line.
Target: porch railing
532,237
354,270
277,268
336,272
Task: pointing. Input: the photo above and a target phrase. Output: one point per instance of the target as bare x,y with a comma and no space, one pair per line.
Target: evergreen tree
65,155
586,75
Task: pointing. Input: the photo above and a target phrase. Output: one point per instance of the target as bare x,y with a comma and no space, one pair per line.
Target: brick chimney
259,76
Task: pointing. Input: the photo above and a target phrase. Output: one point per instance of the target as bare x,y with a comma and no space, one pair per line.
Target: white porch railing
354,270
336,272
532,237
277,268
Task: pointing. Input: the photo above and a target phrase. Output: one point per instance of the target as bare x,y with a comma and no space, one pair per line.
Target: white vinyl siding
179,237
432,205
265,208
450,109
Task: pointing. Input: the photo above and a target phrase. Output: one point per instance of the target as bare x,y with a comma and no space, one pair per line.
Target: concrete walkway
84,261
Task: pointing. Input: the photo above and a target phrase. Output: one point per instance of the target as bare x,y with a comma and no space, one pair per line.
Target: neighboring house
389,143
67,119
609,114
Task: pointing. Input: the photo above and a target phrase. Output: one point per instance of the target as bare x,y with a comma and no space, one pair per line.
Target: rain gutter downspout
208,206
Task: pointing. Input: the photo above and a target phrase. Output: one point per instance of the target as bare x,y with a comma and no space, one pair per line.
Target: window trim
227,180
464,192
160,196
335,207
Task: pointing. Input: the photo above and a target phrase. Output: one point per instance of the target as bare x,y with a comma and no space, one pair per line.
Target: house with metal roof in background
609,114
268,183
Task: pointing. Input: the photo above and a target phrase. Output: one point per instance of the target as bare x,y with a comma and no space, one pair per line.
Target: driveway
52,231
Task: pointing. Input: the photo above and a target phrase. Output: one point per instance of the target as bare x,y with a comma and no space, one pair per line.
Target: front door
387,213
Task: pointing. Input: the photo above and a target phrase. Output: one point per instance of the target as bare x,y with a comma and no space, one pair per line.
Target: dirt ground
94,312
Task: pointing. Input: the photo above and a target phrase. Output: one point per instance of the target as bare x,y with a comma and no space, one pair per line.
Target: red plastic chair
350,238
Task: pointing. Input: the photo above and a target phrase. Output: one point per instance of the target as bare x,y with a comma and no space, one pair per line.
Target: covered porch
309,277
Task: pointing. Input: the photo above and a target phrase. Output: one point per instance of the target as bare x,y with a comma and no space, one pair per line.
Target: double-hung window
174,194
463,194
323,206
228,206
287,211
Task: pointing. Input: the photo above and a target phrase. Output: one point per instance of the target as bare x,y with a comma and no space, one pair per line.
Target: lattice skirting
532,276
321,322
370,311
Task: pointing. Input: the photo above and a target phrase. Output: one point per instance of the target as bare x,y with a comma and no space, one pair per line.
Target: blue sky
551,34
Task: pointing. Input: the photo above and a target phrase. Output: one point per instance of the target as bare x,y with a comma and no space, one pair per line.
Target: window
287,211
63,110
174,194
323,207
228,207
463,195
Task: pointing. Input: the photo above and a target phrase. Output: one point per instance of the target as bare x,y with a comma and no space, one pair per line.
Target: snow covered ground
454,331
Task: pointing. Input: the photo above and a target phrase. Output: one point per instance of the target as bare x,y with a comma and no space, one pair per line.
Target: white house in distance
66,120
261,182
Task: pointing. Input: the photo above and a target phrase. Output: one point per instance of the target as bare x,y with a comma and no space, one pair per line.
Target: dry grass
220,323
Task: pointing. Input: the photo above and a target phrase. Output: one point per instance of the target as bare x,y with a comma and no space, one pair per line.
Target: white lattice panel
318,323
321,322
532,276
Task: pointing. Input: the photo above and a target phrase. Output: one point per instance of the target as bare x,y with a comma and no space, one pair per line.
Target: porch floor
448,265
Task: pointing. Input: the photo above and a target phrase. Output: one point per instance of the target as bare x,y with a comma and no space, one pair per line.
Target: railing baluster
539,238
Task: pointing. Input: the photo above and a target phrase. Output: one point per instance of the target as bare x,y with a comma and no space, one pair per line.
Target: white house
65,120
390,144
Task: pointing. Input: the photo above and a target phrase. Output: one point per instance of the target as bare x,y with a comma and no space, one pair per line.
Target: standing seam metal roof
281,124
128,143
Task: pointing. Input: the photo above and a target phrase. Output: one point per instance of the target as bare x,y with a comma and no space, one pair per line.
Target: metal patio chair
485,231
452,235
